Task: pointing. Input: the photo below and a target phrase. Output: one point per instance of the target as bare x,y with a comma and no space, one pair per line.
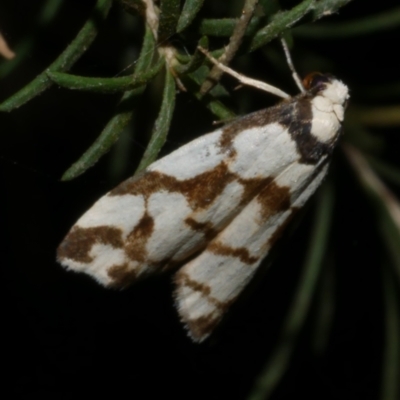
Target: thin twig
234,42
244,79
291,66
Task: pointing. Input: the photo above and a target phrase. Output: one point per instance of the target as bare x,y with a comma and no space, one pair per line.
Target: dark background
68,338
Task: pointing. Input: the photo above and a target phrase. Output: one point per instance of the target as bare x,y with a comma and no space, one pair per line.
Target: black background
68,338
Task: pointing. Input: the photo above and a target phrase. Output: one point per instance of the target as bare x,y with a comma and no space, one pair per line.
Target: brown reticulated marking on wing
202,326
204,227
297,117
183,279
121,275
200,191
135,245
273,199
252,187
238,252
79,241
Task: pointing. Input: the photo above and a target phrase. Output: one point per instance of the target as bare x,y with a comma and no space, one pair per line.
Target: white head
330,94
336,91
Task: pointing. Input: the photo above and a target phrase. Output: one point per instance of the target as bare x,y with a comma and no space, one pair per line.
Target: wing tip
199,326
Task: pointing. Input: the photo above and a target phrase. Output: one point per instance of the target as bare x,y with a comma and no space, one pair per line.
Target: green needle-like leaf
121,118
223,27
64,62
189,12
280,23
105,85
169,15
327,7
162,124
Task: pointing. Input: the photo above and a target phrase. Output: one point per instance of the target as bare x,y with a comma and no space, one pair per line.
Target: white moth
214,207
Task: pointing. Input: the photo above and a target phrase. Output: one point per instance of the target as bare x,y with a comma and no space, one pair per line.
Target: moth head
326,85
329,94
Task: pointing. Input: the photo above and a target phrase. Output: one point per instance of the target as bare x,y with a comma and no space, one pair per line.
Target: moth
213,208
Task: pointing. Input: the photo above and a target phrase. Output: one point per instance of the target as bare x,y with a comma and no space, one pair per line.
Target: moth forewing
221,199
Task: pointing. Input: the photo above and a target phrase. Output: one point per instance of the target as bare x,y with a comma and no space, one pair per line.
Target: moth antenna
244,79
291,66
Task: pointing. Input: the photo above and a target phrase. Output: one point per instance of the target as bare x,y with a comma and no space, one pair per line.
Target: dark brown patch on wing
206,228
252,187
182,279
273,199
239,252
135,246
121,275
143,184
200,191
297,117
79,241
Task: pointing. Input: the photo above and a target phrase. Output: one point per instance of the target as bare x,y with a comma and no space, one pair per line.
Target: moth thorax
328,101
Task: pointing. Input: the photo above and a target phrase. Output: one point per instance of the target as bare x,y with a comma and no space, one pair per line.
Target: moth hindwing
214,207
